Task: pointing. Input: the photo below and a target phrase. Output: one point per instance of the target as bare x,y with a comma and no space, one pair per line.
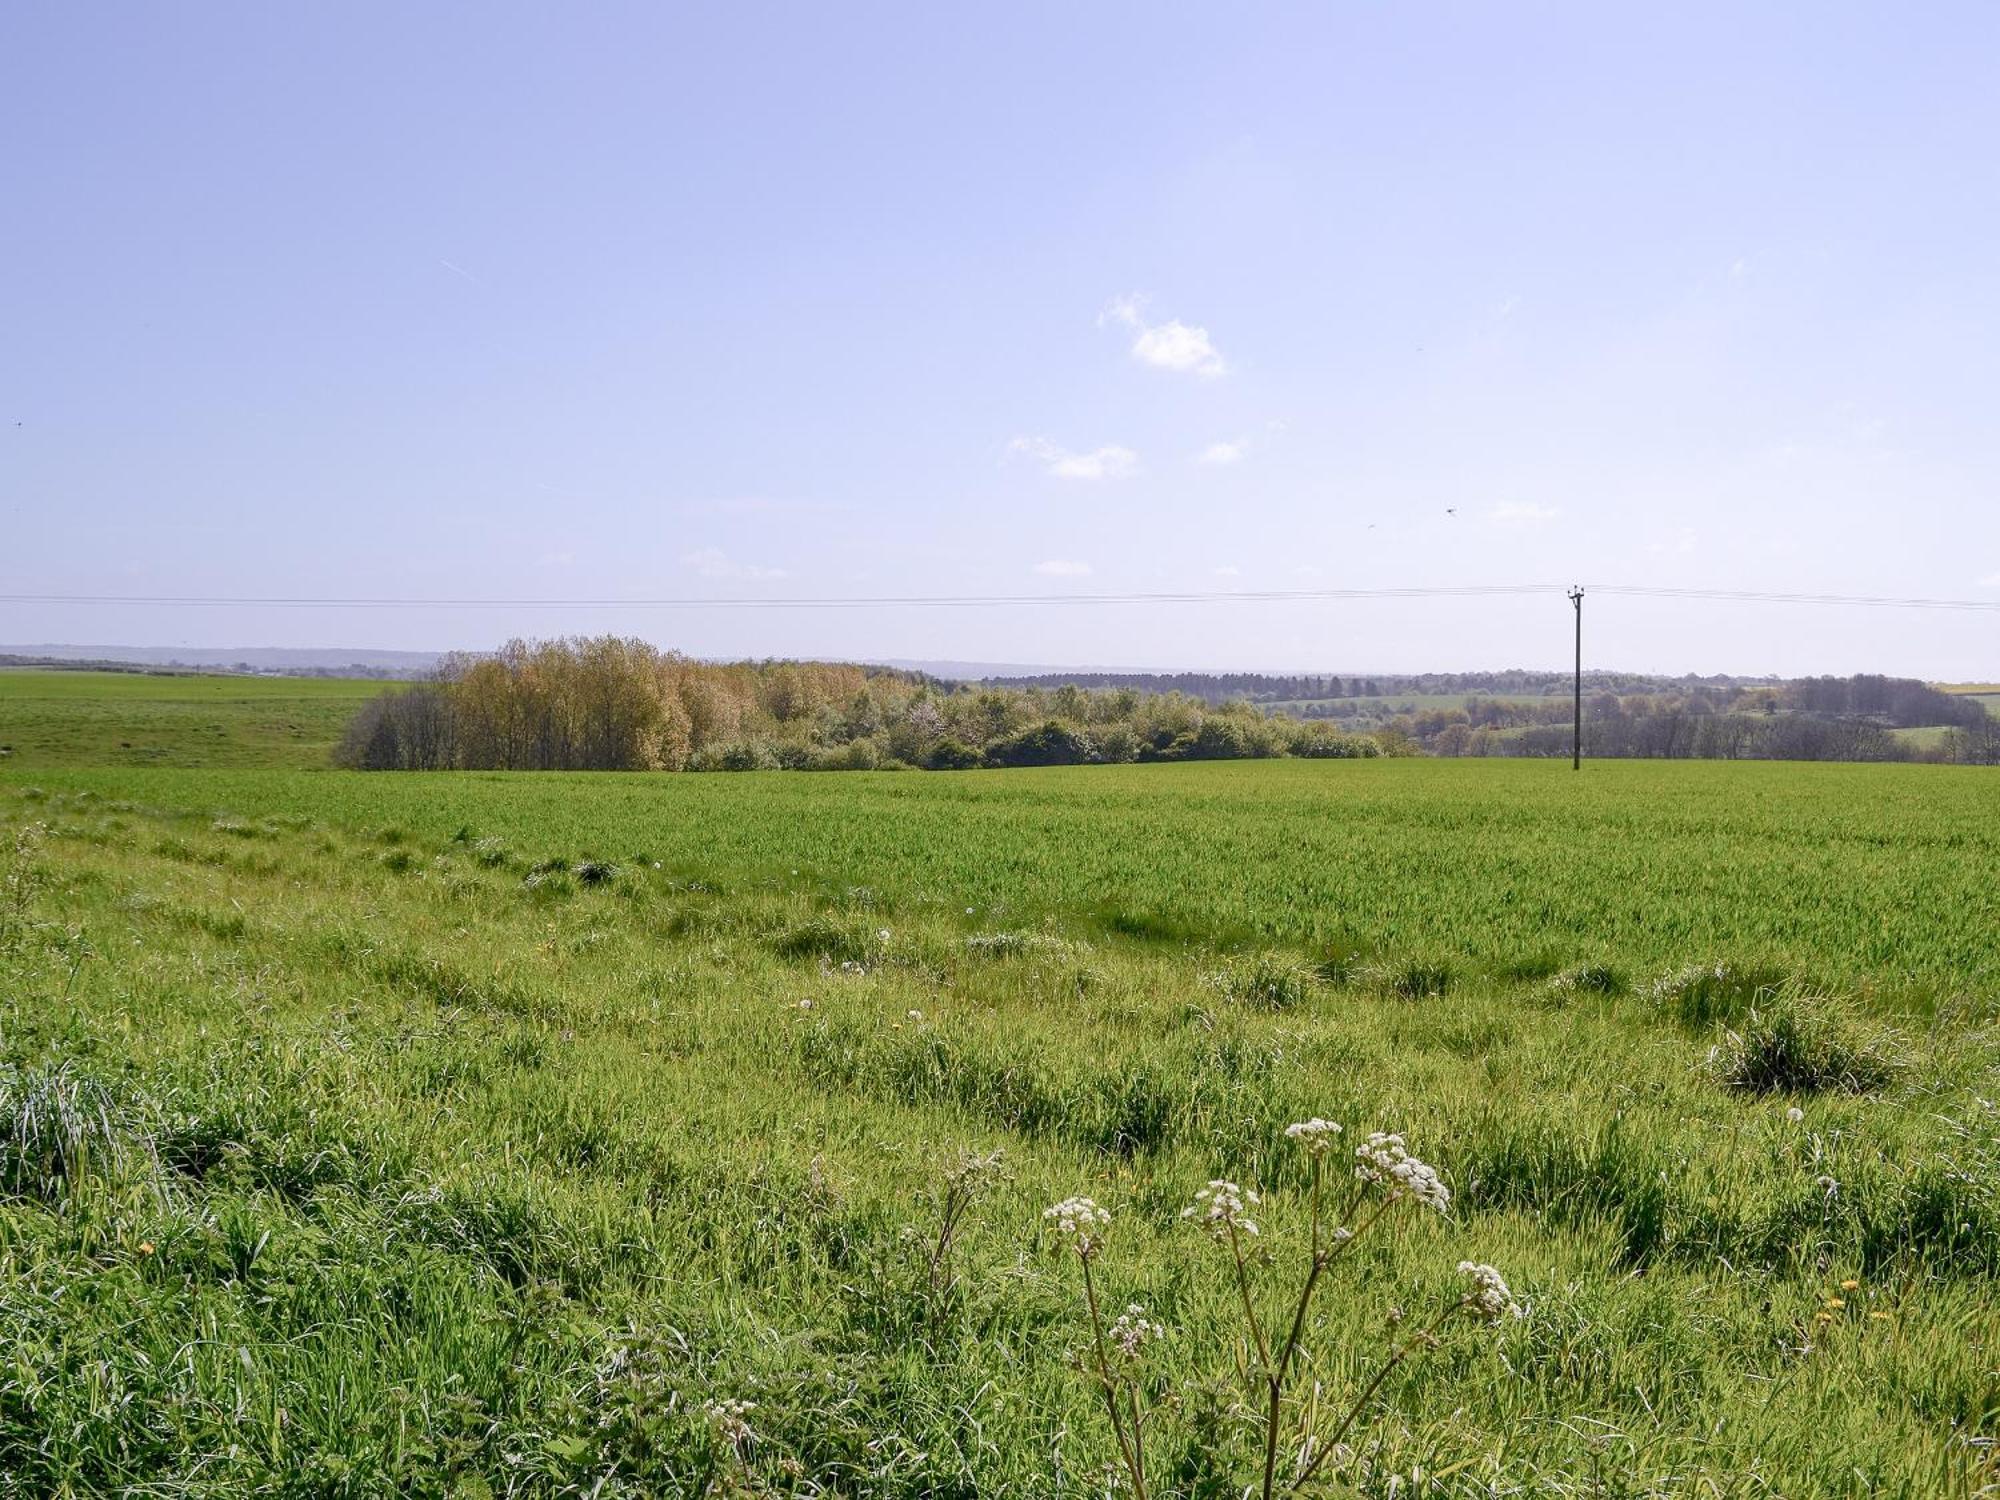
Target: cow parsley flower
1314,1135
1132,1335
1081,1222
1221,1207
1489,1296
1384,1160
731,1419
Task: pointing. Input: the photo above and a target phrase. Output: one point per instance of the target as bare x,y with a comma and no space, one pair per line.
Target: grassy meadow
483,1134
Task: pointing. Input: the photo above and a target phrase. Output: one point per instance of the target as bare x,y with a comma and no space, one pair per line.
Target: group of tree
611,704
1815,718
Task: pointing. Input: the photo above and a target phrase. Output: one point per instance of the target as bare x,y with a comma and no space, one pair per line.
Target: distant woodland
606,703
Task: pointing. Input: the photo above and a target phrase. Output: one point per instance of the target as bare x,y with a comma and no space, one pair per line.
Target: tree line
607,703
1815,718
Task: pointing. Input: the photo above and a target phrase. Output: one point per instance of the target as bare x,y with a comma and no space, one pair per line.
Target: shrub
1803,1045
737,755
954,755
1051,743
1323,742
855,755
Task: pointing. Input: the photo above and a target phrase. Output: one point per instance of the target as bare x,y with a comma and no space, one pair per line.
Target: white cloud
1224,453
1172,345
1108,462
1522,513
1123,310
1229,570
1062,567
1990,581
713,562
1175,346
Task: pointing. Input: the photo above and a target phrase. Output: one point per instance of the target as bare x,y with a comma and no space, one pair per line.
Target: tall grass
319,1176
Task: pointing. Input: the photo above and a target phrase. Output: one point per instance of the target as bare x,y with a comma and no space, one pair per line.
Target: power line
925,601
987,601
1753,596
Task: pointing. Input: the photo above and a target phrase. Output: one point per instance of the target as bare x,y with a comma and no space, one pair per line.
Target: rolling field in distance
473,1134
68,718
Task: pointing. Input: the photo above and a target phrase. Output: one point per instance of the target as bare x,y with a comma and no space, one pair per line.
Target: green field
464,1134
52,717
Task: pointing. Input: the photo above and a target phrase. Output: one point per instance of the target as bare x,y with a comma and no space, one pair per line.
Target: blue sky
601,301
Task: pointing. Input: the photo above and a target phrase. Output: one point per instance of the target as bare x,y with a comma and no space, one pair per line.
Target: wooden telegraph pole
1576,697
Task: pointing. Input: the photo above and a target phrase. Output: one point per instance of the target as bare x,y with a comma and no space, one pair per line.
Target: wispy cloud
1522,513
713,562
1229,570
1172,345
1224,453
1063,567
1108,462
1990,581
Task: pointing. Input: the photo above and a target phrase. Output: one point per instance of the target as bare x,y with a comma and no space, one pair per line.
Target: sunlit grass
355,1163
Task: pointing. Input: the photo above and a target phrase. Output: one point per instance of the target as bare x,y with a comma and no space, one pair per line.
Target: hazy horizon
771,302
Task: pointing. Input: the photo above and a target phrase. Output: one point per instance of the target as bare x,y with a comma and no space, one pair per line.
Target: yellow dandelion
1879,1317
1825,1317
1836,1302
146,1247
1849,1285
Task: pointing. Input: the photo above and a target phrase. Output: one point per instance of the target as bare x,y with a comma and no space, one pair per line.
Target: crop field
64,718
482,1134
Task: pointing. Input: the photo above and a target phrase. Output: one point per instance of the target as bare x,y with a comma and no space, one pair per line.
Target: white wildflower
1221,1207
1827,1184
913,1015
1795,1114
1081,1222
1489,1296
1315,1135
882,935
1133,1334
1384,1160
978,1166
731,1419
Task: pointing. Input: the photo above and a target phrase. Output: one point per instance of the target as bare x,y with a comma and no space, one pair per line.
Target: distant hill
303,661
